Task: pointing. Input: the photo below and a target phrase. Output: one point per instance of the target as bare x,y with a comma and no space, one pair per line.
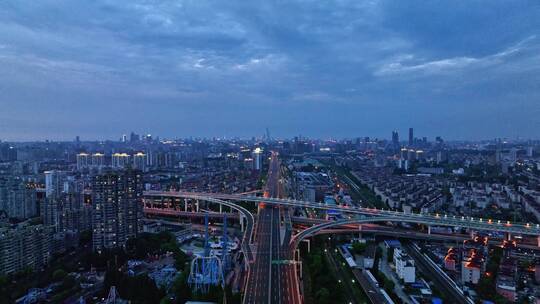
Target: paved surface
258,284
269,280
390,274
442,282
373,292
476,224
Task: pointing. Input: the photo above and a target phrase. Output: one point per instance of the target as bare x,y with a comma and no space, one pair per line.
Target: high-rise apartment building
395,139
411,136
117,208
120,160
18,198
83,161
25,246
257,156
139,161
98,160
54,182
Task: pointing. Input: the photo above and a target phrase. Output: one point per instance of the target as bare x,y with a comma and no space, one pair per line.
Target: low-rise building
472,266
405,268
506,279
470,272
451,259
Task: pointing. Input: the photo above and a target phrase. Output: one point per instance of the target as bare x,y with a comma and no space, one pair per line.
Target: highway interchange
269,246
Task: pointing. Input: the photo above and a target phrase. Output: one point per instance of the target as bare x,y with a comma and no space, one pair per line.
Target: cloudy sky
98,69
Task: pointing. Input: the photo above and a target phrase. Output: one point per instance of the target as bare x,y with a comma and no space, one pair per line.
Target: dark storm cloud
320,68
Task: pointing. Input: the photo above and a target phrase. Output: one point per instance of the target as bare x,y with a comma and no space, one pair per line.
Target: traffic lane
258,291
439,280
373,292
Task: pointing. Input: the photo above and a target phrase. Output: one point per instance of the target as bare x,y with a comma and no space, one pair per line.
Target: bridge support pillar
197,205
508,236
296,259
220,208
185,204
241,222
308,241
473,234
428,229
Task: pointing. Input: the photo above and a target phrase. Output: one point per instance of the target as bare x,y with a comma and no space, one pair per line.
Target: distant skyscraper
498,155
513,154
50,211
117,204
268,138
82,161
54,182
441,156
403,153
98,160
7,153
139,161
411,136
395,139
134,137
120,160
257,156
411,155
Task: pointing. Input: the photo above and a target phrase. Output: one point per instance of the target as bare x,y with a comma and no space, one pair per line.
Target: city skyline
403,138
347,69
266,151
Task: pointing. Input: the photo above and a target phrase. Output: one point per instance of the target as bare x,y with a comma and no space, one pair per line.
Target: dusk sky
99,69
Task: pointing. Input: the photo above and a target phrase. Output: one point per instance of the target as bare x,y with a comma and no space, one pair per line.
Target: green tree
181,289
323,296
388,285
485,287
68,282
359,248
390,255
59,275
138,289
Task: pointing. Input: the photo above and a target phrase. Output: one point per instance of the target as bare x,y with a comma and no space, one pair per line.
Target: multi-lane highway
258,289
271,279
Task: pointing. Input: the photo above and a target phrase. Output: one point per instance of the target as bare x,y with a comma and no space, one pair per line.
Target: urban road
441,280
270,278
